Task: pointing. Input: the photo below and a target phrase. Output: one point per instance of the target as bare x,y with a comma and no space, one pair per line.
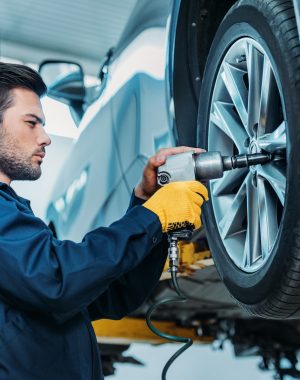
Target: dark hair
17,76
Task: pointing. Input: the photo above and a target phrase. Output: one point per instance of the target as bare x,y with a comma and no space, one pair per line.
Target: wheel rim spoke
276,178
232,219
233,78
267,109
252,251
229,181
255,72
275,141
224,118
267,217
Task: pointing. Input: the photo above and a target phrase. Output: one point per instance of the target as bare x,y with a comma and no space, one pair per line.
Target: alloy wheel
247,115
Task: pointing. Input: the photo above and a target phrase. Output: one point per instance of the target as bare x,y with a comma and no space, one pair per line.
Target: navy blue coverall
51,290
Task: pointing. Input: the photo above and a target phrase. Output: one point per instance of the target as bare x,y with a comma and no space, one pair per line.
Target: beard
15,163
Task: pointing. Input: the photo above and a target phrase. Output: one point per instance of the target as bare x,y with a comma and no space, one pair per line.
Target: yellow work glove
178,205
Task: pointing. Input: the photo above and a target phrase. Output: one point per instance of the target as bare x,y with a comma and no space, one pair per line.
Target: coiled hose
188,341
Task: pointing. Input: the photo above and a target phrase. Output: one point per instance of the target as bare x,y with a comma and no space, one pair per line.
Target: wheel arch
195,19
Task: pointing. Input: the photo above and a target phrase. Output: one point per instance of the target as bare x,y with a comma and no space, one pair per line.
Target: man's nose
43,138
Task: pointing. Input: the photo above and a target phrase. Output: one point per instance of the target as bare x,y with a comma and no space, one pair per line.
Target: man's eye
32,123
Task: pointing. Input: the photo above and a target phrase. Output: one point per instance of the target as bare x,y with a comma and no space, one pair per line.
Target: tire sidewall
246,21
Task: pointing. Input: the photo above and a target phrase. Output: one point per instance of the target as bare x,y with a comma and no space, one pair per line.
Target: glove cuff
160,214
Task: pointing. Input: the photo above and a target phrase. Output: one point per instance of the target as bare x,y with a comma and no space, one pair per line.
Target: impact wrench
190,166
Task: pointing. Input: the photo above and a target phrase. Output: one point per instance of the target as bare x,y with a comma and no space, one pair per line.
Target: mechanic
51,290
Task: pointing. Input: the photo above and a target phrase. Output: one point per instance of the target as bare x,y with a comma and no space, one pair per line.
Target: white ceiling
32,30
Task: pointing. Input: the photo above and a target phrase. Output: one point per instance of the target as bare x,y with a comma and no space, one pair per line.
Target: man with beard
51,290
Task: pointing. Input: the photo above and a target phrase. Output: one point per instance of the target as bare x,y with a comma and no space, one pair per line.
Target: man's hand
148,183
178,205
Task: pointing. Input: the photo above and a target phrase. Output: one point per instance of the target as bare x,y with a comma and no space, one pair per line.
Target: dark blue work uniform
51,290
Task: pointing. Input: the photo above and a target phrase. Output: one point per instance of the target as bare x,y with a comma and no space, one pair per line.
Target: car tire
269,285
